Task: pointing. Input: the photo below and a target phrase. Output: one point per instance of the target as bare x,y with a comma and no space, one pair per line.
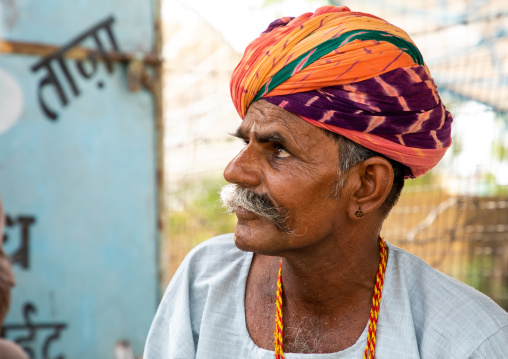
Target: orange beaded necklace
374,310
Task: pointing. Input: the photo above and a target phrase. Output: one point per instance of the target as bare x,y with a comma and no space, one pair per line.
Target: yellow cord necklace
374,310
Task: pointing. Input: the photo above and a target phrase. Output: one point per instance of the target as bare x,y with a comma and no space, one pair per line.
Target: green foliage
200,216
208,208
481,275
499,150
457,145
503,191
427,179
502,117
479,272
489,180
271,2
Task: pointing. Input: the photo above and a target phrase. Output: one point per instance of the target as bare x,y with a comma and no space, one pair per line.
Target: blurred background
114,122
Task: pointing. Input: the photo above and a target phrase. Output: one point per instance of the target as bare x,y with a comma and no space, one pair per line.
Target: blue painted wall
81,189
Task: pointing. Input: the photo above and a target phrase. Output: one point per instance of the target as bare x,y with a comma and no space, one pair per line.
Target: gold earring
359,213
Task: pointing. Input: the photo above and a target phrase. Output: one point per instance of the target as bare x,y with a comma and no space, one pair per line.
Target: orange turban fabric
351,73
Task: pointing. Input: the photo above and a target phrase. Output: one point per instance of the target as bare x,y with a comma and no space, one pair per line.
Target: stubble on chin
262,237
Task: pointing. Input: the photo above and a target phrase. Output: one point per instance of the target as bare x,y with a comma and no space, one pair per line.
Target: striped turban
353,74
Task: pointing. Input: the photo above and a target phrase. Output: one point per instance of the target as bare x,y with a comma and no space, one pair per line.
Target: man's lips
243,214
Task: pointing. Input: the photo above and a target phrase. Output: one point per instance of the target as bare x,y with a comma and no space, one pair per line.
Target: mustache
233,195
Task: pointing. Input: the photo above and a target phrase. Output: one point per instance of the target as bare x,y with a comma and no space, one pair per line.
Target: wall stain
11,12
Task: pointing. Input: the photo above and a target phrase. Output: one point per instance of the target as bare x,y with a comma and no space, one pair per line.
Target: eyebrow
261,138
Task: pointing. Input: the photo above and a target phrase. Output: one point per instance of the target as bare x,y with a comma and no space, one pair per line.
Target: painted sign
78,163
47,63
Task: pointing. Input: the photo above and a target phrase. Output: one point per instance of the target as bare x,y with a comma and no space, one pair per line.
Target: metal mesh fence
463,236
455,217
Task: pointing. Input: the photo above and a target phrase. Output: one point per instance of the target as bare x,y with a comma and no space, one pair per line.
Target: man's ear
371,181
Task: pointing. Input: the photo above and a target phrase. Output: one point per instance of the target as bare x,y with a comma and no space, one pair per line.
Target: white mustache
233,195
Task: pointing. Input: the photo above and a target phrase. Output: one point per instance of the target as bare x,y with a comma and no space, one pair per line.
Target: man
338,108
8,349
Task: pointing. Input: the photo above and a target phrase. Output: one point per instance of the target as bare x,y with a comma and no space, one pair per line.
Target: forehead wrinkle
296,127
266,127
268,118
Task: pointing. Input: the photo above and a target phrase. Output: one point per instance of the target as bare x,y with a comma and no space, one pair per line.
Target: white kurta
424,313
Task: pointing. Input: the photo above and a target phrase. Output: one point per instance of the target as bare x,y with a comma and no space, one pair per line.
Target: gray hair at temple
352,153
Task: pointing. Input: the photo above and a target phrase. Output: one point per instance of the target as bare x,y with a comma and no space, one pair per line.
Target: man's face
295,164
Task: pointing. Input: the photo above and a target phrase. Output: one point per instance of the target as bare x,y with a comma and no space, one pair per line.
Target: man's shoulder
443,307
213,258
428,283
215,249
224,242
210,265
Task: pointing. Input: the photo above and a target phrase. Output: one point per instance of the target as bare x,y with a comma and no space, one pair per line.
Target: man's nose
244,170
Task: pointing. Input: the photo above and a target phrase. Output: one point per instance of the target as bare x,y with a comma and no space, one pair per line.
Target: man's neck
330,276
327,295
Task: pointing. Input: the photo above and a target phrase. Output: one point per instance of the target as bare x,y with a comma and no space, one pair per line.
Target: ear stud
359,213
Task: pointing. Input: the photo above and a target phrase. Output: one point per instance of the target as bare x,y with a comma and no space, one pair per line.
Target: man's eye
280,152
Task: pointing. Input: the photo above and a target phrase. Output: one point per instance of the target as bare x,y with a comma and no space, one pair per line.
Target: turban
351,73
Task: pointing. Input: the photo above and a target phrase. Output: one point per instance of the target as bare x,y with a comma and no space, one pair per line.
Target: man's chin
242,245
260,237
244,236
